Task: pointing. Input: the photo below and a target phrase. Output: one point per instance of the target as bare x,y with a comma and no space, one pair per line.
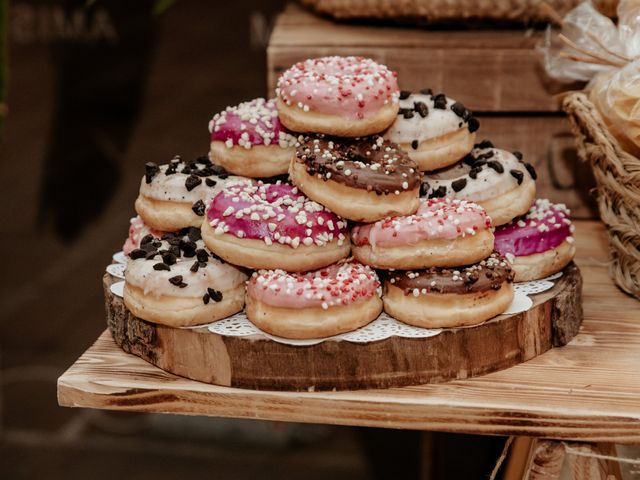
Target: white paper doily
536,286
116,269
381,328
117,289
120,257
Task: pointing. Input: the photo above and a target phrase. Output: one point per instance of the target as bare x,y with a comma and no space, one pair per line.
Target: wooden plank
588,390
490,70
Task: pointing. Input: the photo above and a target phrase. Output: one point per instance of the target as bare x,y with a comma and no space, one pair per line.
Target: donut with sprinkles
174,195
442,233
362,179
249,140
450,297
174,280
539,243
336,299
342,96
271,226
435,130
498,180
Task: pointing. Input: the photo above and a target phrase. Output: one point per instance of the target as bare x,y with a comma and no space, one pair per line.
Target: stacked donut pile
341,197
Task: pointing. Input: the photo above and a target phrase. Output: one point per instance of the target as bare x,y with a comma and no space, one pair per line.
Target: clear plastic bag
590,47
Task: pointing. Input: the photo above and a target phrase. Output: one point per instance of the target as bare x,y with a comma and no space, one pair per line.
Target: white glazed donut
174,195
435,130
176,281
496,179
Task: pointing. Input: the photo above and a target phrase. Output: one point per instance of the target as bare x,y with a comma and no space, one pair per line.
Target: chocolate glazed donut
450,297
362,179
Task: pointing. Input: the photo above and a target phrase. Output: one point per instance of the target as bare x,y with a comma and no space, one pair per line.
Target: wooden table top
588,390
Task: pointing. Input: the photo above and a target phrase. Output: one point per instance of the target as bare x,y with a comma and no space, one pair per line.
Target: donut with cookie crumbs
273,225
174,280
435,130
442,233
342,96
498,180
249,140
137,231
361,179
322,303
440,297
174,195
539,243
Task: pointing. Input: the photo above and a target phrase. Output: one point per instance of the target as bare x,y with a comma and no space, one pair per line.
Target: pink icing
250,123
275,213
544,227
352,87
339,284
436,218
137,231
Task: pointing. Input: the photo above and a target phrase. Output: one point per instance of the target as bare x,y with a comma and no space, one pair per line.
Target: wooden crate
496,73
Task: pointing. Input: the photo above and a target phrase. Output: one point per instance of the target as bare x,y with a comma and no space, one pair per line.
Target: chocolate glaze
367,163
489,274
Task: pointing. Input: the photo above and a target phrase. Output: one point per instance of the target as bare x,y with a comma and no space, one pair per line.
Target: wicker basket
434,11
617,176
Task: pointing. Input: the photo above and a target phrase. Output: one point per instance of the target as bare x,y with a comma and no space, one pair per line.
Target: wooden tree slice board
261,364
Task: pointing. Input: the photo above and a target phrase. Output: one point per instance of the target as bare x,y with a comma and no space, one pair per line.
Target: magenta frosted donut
442,233
539,243
336,299
273,225
344,96
248,139
137,231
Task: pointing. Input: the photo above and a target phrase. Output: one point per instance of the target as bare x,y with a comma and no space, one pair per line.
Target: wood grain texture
490,70
588,390
266,365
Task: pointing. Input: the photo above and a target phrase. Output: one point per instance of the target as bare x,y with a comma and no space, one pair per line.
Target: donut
249,140
336,299
435,130
271,226
361,179
496,179
442,233
174,196
137,231
539,243
343,96
176,281
450,297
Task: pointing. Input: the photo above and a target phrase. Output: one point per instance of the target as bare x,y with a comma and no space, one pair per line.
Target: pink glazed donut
539,243
249,140
442,233
336,299
343,96
137,231
261,225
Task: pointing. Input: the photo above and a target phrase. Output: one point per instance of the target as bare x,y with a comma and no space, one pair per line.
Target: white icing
216,274
172,187
437,123
488,183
